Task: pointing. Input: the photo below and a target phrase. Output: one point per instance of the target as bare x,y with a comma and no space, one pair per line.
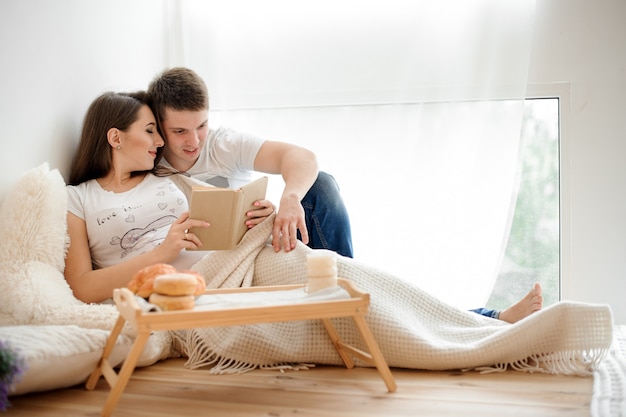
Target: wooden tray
146,322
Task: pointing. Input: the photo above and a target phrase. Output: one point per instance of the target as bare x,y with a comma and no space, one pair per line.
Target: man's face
185,134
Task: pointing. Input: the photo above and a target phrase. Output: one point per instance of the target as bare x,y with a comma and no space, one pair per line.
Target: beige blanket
413,329
609,379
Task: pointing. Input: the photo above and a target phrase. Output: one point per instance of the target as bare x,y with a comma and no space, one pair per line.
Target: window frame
561,91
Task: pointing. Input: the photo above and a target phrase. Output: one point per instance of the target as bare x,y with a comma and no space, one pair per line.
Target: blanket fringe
282,367
200,355
578,363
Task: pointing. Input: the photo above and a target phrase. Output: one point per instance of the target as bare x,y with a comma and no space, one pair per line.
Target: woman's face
139,143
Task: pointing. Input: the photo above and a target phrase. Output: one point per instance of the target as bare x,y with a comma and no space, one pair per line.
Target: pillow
33,244
33,219
59,356
60,337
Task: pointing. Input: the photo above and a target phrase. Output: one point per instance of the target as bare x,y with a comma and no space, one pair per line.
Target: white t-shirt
227,154
123,225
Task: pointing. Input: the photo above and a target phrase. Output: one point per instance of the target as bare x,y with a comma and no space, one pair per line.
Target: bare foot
533,301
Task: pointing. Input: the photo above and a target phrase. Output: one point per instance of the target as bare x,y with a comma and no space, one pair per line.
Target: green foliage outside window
533,249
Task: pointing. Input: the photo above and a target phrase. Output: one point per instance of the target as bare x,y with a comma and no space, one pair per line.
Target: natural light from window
429,188
415,107
533,247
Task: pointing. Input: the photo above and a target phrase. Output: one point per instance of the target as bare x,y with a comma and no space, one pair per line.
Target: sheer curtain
414,106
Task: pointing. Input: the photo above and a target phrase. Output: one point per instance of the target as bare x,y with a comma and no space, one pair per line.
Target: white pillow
59,356
33,244
33,221
60,337
62,356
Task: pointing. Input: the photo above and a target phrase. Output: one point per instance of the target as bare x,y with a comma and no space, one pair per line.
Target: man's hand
289,219
298,167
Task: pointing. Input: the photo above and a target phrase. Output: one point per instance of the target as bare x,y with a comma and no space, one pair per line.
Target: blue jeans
494,314
326,217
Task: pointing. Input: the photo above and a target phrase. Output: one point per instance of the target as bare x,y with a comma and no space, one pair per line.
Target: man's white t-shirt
227,155
123,225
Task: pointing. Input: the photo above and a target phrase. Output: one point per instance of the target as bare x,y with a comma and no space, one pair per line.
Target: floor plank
168,389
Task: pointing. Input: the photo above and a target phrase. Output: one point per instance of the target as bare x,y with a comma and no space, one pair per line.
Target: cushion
33,222
60,337
33,241
59,356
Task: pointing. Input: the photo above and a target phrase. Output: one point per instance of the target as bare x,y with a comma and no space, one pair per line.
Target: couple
126,212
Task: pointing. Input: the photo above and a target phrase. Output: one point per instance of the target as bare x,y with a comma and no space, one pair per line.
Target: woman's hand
179,237
263,208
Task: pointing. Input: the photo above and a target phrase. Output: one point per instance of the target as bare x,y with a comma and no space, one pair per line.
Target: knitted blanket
412,328
609,379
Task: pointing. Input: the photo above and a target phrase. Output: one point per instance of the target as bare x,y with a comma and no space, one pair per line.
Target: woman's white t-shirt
123,225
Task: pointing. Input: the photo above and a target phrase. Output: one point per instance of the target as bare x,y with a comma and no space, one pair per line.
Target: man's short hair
178,88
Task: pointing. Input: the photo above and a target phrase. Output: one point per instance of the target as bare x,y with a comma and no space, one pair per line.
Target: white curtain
414,106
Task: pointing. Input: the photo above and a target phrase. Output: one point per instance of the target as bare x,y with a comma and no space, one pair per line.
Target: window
533,249
428,186
423,139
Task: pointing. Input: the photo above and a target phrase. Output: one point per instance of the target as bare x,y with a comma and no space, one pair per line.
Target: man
310,207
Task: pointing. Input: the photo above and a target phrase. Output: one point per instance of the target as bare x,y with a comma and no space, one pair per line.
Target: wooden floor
168,389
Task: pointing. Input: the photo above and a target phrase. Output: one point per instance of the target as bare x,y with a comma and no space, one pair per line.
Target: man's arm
298,167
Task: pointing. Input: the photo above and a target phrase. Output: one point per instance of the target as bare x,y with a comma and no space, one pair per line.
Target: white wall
57,56
583,42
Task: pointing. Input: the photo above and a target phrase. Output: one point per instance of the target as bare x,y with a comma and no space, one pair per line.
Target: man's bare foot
533,301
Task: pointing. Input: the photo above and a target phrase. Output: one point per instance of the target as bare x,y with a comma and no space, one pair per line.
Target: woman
121,217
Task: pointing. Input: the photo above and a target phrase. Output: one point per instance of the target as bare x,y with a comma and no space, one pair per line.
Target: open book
226,210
